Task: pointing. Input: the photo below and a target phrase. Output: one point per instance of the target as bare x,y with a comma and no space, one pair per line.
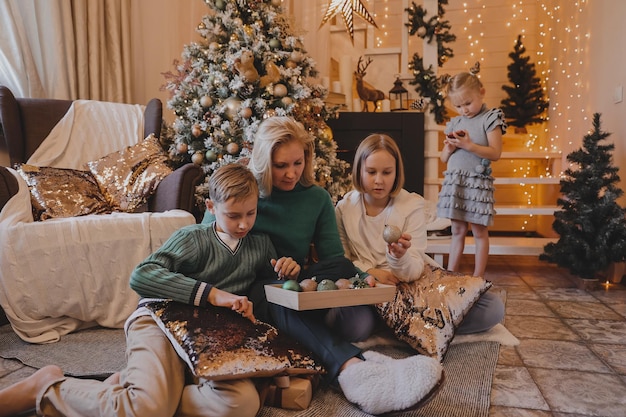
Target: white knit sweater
362,235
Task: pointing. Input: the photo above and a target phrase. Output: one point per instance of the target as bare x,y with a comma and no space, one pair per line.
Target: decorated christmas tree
591,224
249,66
526,102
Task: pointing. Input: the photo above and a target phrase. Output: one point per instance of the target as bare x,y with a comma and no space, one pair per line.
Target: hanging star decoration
348,9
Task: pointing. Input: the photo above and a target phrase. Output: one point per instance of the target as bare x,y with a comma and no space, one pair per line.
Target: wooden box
312,300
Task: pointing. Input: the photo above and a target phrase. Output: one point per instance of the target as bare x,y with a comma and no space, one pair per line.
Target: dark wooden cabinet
406,128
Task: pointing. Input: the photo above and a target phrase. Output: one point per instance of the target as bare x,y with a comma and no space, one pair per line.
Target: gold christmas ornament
232,148
391,233
280,90
233,105
197,158
182,147
246,112
325,133
206,101
196,131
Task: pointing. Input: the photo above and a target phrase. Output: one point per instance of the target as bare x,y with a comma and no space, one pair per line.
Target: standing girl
473,140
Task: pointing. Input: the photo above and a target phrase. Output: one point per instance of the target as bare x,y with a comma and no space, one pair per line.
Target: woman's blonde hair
369,145
232,181
273,133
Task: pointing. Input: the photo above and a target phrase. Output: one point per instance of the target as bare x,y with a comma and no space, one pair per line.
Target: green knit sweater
295,219
194,260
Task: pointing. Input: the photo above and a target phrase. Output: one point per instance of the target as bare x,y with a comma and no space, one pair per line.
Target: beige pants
152,384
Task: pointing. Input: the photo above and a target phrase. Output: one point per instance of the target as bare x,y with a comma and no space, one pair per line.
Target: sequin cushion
130,176
219,344
425,313
60,192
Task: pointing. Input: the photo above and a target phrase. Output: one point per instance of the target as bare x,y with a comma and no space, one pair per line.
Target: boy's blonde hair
369,145
272,133
469,80
232,181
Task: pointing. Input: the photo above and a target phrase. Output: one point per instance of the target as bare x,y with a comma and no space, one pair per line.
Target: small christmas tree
591,225
526,102
249,66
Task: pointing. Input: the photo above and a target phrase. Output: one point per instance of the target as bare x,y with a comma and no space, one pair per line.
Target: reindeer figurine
366,93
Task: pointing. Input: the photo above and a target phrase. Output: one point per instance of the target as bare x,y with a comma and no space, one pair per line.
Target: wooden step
513,210
511,155
498,245
507,180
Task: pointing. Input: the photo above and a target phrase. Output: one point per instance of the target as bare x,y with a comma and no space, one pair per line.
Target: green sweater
194,260
295,219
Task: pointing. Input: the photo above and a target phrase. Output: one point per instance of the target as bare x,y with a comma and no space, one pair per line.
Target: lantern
398,95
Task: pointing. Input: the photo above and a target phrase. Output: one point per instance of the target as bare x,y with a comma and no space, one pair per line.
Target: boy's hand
238,303
286,268
399,248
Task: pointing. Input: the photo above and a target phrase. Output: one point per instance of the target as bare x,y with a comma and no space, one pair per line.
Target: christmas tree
526,102
591,224
249,66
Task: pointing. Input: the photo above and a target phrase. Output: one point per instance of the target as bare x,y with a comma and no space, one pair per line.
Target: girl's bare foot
22,395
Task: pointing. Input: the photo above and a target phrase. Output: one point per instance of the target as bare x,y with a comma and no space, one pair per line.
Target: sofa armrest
8,186
177,190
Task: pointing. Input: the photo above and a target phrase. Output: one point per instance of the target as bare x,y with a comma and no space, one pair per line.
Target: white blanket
60,275
90,130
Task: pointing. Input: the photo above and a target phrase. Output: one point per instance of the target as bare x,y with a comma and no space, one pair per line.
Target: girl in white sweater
378,199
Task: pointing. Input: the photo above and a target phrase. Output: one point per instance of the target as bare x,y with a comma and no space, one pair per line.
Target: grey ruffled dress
467,190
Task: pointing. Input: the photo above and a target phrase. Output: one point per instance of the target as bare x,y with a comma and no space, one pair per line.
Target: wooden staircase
505,178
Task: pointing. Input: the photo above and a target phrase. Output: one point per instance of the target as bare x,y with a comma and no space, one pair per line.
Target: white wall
606,72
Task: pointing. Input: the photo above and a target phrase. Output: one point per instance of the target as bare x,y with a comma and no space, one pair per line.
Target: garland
428,85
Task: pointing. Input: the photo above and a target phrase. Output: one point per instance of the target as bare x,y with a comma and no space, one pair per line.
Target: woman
296,213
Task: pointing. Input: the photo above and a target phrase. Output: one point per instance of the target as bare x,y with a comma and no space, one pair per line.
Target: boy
199,265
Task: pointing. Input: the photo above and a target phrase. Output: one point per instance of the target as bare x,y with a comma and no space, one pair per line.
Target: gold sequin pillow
130,176
61,192
425,313
219,344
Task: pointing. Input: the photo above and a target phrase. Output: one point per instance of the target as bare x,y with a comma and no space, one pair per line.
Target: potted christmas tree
249,66
591,224
526,102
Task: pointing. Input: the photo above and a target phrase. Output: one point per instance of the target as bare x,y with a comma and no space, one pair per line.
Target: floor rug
95,352
98,352
466,392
